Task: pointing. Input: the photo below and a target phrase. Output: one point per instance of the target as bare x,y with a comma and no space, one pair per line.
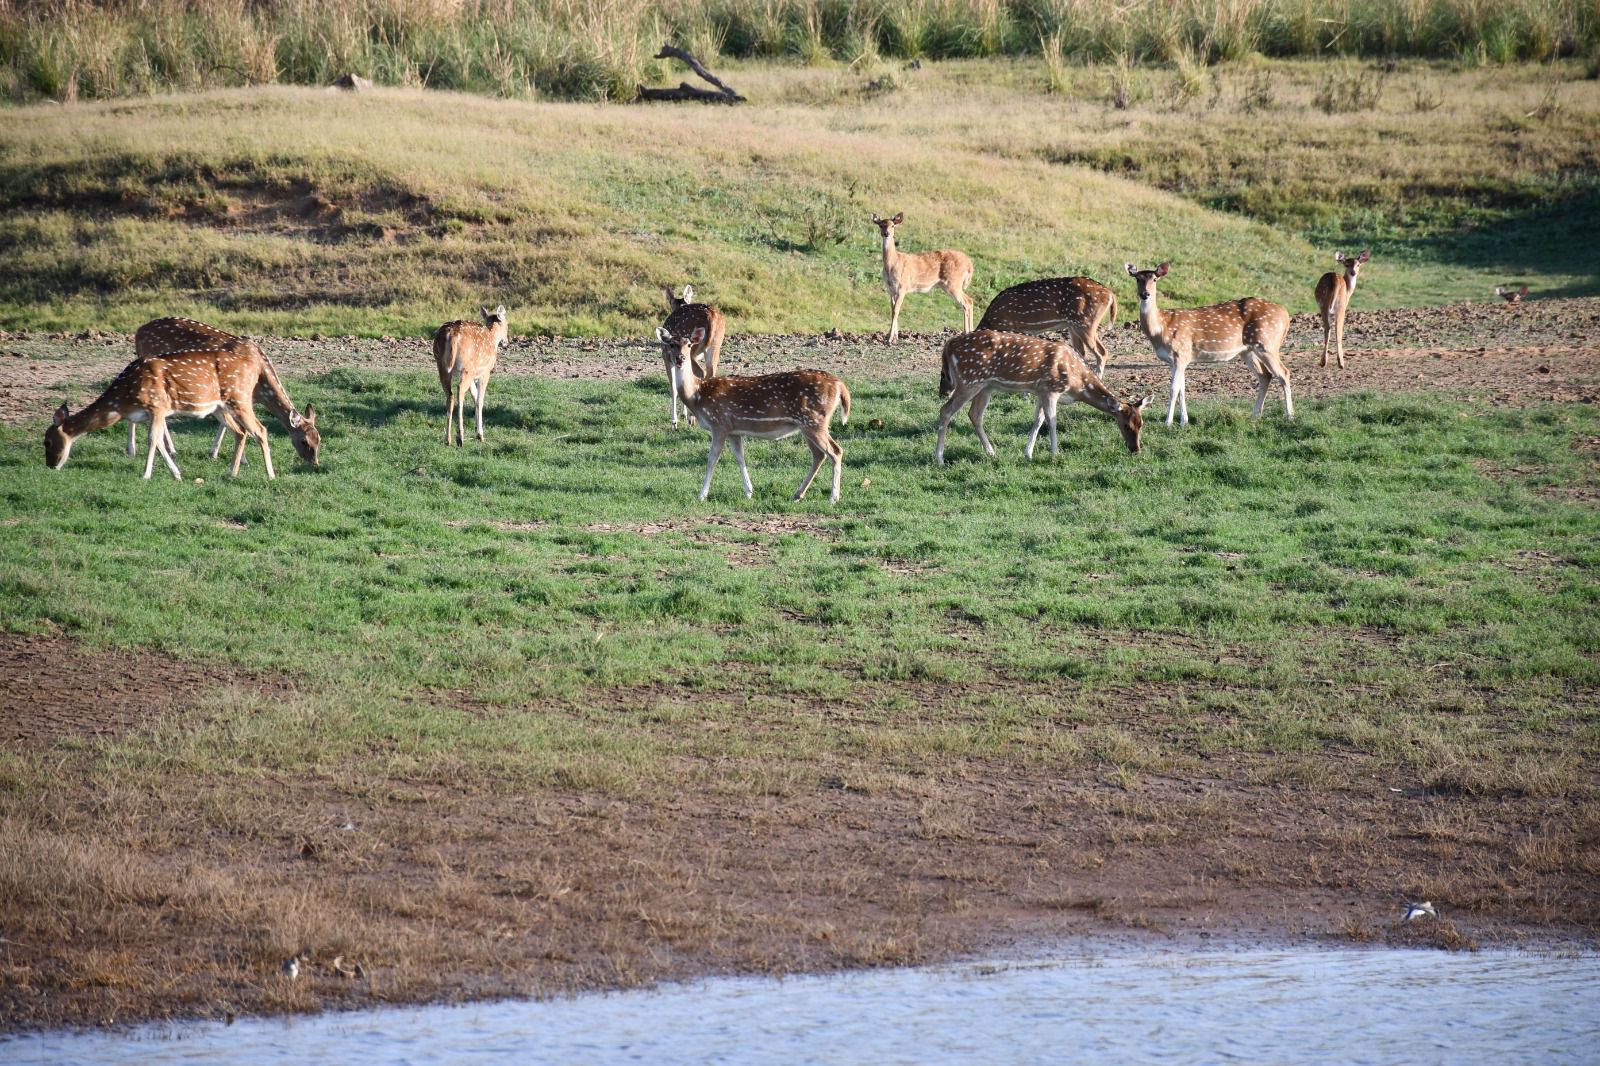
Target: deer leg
1327,329
1276,368
736,442
980,403
964,302
133,437
482,391
718,436
895,300
1338,333
818,453
1038,423
449,411
1050,402
249,424
461,411
838,466
958,397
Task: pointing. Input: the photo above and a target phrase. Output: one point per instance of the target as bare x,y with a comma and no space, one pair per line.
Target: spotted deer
772,406
1075,305
985,361
1333,300
683,318
198,383
465,353
1215,334
908,272
166,335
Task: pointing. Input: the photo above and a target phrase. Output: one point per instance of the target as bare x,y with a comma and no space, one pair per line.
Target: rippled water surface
1377,1006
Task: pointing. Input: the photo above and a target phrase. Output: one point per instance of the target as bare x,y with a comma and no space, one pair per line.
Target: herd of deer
183,367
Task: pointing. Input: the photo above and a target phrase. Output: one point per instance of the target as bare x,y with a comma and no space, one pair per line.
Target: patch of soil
1541,351
51,688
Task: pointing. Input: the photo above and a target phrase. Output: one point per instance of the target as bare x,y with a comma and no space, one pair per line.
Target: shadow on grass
1553,239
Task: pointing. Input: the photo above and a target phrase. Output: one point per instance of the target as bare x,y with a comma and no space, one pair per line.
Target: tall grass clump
70,49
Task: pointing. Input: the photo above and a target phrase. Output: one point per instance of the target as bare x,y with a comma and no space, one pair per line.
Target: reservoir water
1317,1006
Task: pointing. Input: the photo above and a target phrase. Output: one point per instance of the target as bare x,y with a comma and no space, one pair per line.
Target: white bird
1420,910
291,969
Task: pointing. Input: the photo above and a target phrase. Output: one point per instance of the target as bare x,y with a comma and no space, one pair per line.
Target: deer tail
844,403
945,384
1111,313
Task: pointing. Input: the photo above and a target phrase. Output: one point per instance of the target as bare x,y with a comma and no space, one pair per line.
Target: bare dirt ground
179,898
1484,353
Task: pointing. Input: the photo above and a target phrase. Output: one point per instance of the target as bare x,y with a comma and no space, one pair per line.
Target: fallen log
685,91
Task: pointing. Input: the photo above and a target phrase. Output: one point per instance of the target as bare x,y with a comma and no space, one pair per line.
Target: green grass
1360,578
294,211
557,48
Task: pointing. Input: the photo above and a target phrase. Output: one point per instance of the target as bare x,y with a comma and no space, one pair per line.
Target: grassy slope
1357,580
293,210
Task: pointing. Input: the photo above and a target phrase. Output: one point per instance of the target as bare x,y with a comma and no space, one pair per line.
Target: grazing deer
908,272
1333,299
198,383
1511,296
1215,334
986,361
465,353
684,318
1076,305
773,406
166,335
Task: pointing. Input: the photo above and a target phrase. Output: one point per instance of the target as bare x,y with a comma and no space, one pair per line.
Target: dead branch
685,91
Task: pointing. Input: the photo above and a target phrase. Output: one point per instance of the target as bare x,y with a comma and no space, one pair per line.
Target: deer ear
698,335
662,335
1365,255
484,311
311,414
500,312
1338,257
899,217
1161,271
688,294
61,414
1131,271
876,221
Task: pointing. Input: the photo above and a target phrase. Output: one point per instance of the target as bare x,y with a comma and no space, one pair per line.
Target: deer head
1145,280
495,322
886,225
57,445
674,301
1130,420
1351,263
304,436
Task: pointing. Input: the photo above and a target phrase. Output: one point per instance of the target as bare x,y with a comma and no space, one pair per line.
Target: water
1345,1006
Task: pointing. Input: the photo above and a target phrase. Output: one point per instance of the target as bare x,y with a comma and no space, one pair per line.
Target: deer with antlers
985,361
683,318
198,383
164,336
1215,334
1333,299
465,354
1076,305
908,272
772,406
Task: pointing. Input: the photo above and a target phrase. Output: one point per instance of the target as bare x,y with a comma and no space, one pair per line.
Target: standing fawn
1076,305
908,272
1215,334
465,353
198,383
166,335
773,406
1333,300
684,318
986,361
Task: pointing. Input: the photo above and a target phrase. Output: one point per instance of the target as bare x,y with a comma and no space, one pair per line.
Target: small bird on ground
291,968
1420,910
1511,296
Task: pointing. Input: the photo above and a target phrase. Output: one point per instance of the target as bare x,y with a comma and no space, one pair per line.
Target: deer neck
1151,320
688,386
1098,396
1349,284
890,253
103,412
275,397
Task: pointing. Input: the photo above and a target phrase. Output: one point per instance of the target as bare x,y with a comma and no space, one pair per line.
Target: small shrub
1259,93
1425,99
1348,90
